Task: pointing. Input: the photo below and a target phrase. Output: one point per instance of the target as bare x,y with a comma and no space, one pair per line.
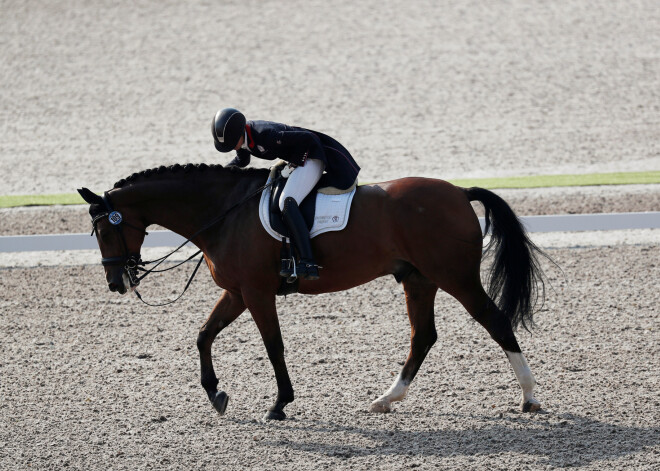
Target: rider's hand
236,162
241,159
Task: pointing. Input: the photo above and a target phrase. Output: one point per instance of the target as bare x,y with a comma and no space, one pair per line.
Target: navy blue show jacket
270,141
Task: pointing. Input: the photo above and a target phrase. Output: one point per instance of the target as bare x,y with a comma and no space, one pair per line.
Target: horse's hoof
380,406
220,402
274,415
531,406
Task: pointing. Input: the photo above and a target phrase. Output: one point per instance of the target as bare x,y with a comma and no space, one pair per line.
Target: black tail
516,281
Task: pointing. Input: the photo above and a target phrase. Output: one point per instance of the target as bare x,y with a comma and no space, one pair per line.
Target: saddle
324,209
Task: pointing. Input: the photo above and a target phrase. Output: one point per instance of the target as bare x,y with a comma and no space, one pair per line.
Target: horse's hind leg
420,297
484,311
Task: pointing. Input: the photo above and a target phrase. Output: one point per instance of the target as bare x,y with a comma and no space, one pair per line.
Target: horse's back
427,207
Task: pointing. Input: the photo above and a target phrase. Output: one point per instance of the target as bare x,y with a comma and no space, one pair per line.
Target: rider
310,152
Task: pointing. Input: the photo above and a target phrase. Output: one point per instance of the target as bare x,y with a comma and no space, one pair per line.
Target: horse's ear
90,196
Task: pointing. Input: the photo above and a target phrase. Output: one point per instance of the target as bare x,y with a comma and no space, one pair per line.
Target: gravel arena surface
94,91
92,380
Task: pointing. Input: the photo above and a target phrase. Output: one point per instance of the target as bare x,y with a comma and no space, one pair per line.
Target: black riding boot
307,268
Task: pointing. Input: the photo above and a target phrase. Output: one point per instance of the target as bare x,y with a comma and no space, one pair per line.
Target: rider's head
228,128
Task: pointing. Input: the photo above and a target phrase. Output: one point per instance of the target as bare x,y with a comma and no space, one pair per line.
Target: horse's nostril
113,287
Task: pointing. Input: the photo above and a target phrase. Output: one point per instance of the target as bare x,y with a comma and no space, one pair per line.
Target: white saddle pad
331,213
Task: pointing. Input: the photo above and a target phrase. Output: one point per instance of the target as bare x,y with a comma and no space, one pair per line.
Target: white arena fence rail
551,223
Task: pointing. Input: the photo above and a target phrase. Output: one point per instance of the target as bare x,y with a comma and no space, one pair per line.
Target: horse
423,231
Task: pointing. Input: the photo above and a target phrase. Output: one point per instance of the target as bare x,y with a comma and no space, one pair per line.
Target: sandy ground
96,381
94,91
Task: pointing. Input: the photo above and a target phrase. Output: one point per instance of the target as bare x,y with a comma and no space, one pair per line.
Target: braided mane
187,168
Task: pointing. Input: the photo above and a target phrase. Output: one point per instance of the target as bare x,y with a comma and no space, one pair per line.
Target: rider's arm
297,146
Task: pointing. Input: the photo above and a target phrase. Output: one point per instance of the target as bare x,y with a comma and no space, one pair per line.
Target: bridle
133,263
130,261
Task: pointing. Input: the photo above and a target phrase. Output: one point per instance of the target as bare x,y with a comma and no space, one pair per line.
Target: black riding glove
242,158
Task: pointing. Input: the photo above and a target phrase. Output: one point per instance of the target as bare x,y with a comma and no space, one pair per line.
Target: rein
134,263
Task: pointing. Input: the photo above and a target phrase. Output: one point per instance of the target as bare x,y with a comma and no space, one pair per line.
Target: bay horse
423,231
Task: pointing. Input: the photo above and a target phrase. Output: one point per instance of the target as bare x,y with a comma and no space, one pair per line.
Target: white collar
245,146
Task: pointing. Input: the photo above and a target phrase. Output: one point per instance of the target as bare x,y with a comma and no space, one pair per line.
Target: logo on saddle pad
326,219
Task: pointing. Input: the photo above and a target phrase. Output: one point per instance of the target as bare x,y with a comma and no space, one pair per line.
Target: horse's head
120,235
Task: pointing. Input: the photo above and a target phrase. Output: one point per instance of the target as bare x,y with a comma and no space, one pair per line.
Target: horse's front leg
228,308
264,313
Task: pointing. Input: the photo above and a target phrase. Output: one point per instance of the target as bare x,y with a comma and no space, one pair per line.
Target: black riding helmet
228,127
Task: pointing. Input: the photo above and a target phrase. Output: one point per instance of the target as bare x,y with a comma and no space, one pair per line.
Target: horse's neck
180,206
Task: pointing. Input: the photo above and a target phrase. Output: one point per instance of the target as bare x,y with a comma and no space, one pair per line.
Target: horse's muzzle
118,281
117,287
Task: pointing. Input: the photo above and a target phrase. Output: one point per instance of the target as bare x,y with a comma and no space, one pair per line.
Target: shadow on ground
565,440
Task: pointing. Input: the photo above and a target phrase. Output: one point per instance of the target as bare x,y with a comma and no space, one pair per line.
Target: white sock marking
397,391
524,375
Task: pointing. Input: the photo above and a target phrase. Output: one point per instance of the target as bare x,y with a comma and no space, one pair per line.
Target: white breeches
302,180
